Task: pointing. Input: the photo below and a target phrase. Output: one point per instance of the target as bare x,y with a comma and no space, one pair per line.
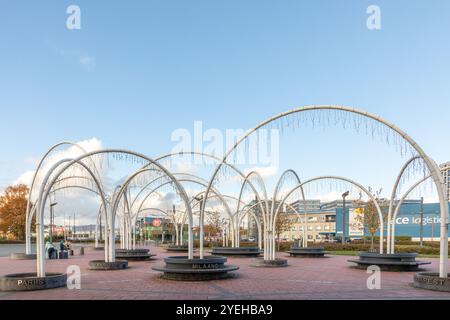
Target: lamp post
52,219
421,222
344,195
202,225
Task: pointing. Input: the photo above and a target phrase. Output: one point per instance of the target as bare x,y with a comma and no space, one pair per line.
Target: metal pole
344,215
202,226
421,221
101,233
65,231
51,224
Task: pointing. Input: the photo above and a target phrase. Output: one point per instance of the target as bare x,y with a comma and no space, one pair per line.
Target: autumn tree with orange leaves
13,207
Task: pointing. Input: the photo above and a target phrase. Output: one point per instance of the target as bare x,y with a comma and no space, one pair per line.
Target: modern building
305,205
445,169
83,232
327,223
320,226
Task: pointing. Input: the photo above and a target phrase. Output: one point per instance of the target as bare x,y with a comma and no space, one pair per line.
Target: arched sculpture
431,165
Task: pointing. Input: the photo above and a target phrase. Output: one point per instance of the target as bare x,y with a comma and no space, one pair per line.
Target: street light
52,219
202,225
344,195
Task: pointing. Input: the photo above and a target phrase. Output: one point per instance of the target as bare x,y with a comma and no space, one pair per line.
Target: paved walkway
328,278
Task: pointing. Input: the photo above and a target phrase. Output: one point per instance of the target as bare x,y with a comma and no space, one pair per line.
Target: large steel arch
390,220
431,164
28,218
285,174
125,186
216,194
399,206
222,162
44,194
363,189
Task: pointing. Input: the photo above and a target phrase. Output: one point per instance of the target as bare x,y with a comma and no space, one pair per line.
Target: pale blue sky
139,70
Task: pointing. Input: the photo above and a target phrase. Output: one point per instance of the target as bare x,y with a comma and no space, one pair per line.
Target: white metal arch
380,214
29,212
432,166
390,220
43,195
111,257
397,211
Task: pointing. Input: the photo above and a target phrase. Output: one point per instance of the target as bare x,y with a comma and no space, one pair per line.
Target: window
319,228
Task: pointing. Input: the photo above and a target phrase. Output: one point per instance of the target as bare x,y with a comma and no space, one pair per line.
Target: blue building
407,223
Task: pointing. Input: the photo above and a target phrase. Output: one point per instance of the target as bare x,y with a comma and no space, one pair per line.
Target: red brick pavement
329,278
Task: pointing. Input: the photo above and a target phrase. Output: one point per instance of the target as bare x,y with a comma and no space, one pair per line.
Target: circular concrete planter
134,255
23,256
307,252
247,252
277,263
431,281
389,262
31,282
174,248
99,265
183,269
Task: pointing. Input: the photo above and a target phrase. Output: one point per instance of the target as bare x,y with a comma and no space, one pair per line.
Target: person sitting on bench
51,250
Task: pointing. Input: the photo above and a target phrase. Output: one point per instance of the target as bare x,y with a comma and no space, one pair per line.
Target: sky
137,71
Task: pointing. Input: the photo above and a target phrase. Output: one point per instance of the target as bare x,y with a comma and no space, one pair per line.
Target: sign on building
355,225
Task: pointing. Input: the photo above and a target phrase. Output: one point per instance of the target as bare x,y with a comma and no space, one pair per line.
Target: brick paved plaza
329,278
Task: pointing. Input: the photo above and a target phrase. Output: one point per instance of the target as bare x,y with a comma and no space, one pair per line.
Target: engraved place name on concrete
206,266
431,281
30,282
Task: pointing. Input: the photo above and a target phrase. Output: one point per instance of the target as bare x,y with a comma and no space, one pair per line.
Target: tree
367,215
284,223
13,207
215,223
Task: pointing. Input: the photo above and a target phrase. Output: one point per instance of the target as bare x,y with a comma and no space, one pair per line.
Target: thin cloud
87,62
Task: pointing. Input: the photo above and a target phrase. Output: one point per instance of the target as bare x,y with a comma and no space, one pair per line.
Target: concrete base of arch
389,262
307,252
22,256
31,282
134,255
177,248
244,252
99,265
431,281
206,269
277,263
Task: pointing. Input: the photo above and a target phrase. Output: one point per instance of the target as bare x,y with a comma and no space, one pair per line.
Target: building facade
327,224
317,226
